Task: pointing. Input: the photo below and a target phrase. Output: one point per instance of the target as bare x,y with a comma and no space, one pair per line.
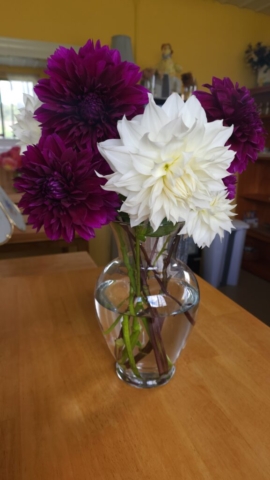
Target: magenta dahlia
87,93
235,106
62,191
230,184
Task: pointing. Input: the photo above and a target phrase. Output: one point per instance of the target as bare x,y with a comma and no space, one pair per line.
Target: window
11,99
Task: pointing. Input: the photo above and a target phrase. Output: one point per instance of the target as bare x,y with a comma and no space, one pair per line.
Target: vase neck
166,241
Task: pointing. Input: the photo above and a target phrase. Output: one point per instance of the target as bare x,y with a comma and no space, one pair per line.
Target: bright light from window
11,99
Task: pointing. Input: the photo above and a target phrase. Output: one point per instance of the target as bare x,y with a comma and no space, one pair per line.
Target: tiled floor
252,293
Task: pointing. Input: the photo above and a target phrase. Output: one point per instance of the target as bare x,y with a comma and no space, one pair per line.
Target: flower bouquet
258,57
108,153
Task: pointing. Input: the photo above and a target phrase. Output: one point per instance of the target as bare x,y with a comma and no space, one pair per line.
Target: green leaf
163,230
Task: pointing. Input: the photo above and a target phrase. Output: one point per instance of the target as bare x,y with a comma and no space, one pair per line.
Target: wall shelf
264,157
260,90
261,233
257,197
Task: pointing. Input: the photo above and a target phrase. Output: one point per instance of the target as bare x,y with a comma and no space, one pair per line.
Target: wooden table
46,264
64,415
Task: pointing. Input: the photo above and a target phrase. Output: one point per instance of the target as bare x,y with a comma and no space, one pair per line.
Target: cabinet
253,195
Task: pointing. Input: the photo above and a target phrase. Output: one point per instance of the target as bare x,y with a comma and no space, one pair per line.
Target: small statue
167,68
166,64
165,77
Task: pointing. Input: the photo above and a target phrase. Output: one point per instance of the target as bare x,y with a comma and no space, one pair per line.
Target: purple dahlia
230,184
62,191
87,93
235,106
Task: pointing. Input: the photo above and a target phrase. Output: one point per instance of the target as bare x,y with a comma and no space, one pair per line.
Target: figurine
167,67
166,64
165,78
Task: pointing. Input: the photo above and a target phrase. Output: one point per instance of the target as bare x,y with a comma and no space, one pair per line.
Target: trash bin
221,261
213,260
234,254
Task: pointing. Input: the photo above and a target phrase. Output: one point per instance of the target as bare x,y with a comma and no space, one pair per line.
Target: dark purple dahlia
62,191
87,93
236,107
230,184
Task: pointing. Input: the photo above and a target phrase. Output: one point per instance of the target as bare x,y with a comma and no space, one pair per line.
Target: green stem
161,251
128,345
138,266
169,361
130,340
134,337
113,325
159,350
145,324
125,257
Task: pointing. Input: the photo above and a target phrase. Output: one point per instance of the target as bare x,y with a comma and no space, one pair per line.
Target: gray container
213,260
235,251
221,261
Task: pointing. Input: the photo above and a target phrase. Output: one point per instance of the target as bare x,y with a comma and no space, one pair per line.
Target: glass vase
146,302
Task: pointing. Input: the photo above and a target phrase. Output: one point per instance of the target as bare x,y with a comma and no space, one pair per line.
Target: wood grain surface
45,264
64,415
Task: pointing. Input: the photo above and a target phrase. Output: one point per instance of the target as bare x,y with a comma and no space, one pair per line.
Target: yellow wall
208,38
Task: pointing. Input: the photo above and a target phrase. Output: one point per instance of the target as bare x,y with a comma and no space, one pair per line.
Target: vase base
146,380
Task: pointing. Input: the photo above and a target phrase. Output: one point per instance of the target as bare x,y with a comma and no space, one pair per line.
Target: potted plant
258,57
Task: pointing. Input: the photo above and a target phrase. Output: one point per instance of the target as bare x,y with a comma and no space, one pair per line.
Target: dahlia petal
154,117
173,128
173,106
85,232
27,129
215,134
143,164
130,132
53,234
193,111
115,156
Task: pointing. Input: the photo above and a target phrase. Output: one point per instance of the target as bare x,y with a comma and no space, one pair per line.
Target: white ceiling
260,6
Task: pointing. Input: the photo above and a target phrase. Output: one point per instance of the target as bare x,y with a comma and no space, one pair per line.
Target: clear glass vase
146,302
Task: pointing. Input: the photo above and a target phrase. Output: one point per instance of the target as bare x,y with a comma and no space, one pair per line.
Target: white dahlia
208,217
169,163
27,129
